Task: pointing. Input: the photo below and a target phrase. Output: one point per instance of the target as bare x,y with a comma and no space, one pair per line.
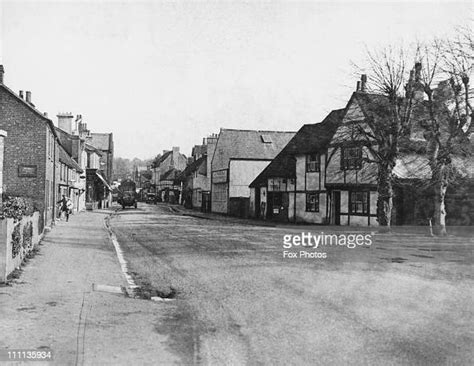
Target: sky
160,74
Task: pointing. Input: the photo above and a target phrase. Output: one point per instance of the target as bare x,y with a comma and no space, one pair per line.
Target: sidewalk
53,306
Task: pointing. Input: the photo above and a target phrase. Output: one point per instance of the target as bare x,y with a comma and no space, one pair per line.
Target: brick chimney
175,160
363,83
358,86
21,94
2,72
28,97
65,122
418,90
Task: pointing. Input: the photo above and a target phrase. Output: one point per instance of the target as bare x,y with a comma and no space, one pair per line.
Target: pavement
53,304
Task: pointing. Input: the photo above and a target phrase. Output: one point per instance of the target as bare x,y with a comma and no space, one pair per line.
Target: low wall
17,239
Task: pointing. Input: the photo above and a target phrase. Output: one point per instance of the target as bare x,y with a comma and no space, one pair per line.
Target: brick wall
3,134
27,144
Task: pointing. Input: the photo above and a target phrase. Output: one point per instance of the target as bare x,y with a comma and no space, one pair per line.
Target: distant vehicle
128,193
150,198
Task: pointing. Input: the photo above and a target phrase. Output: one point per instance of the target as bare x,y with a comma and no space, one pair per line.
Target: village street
403,300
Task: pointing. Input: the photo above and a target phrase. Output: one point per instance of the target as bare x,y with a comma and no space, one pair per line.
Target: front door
337,207
257,202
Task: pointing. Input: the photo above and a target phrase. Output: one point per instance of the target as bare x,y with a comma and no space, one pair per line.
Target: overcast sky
162,74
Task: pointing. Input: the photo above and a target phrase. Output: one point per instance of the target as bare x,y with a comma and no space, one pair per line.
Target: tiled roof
200,165
163,157
89,147
199,150
31,107
417,166
311,138
248,144
66,159
171,174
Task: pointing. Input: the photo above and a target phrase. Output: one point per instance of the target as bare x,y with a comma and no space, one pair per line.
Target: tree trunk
385,196
440,184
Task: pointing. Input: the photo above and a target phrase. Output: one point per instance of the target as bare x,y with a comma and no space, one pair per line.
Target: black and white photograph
236,182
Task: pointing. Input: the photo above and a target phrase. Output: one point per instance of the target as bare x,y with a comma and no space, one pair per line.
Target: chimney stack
21,94
65,122
358,86
28,97
417,71
2,72
363,83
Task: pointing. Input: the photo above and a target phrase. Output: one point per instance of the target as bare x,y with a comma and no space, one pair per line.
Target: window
277,184
351,158
359,203
312,163
266,139
312,202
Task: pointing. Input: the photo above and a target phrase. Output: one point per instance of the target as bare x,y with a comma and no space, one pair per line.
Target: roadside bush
27,235
16,241
16,207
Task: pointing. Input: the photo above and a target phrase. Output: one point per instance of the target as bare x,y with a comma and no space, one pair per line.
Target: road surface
239,300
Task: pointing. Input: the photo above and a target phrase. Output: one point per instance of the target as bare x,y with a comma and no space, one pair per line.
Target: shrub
16,241
16,207
27,235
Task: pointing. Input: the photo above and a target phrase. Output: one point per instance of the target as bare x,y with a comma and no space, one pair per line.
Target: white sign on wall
219,176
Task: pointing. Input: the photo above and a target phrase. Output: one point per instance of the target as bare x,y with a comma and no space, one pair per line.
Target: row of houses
320,174
43,161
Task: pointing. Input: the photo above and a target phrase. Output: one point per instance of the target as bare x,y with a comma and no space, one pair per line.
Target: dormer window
266,139
313,163
351,158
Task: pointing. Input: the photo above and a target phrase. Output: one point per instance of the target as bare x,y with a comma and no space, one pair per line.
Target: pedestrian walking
64,207
69,206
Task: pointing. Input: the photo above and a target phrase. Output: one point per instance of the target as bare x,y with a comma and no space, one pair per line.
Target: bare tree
449,114
436,95
388,106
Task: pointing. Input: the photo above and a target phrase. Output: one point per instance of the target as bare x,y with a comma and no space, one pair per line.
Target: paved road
401,301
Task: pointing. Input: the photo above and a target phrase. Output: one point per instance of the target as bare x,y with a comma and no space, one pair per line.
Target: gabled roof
372,105
247,145
65,139
199,165
101,141
32,108
163,157
171,174
311,138
199,150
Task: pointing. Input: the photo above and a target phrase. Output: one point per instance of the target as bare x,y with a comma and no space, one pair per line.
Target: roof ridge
271,131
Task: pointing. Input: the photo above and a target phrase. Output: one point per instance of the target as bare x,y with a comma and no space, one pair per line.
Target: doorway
337,207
